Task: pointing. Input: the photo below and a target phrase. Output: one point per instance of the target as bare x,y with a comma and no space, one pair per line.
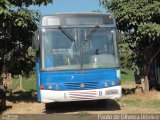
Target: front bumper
48,96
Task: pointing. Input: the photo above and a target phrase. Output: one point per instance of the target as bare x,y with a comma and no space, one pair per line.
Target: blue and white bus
77,58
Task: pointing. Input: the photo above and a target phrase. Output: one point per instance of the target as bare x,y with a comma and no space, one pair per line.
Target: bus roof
92,18
79,13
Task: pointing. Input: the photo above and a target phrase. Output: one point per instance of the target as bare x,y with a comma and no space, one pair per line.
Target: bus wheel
102,103
49,106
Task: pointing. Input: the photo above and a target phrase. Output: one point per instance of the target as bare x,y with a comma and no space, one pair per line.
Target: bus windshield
79,48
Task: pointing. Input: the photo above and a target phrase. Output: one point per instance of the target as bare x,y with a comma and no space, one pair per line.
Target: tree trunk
145,80
146,84
20,83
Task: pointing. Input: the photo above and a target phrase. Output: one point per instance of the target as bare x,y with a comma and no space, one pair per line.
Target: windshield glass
79,48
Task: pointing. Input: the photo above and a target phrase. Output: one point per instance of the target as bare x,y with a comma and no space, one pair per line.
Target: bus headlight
113,83
50,86
57,87
105,84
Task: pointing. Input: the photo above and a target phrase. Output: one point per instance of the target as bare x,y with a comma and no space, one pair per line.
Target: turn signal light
42,86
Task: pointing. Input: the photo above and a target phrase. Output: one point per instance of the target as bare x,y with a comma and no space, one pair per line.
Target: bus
77,58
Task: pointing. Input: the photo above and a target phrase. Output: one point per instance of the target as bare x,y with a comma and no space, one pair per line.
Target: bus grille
82,86
83,95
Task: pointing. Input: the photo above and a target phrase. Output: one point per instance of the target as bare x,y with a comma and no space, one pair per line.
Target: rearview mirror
118,36
35,41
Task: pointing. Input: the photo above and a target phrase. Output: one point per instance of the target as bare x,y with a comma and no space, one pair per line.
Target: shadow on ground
83,106
4,109
20,96
128,91
23,96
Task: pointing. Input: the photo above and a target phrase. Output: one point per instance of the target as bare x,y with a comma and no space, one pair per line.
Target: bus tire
49,106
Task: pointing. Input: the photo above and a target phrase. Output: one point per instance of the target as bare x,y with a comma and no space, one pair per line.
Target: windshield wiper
92,31
66,33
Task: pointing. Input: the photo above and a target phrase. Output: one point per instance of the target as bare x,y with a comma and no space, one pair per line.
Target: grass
27,83
127,76
24,93
82,113
154,104
147,100
30,83
132,102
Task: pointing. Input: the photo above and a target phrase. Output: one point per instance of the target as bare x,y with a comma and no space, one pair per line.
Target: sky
63,6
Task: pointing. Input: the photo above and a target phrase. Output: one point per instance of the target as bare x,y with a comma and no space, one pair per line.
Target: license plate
111,92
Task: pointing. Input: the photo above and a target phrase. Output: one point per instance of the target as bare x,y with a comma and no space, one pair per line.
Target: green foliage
125,54
27,3
139,21
17,26
17,35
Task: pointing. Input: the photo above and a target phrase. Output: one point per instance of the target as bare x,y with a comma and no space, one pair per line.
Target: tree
125,54
17,26
139,21
27,3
